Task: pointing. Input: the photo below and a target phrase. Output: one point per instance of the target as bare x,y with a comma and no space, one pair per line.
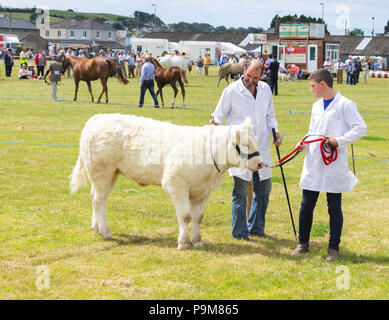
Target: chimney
79,17
277,26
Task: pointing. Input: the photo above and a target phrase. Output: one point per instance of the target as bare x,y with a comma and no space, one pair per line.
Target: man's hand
331,142
278,140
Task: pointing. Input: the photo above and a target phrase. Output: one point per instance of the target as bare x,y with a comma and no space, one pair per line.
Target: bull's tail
119,72
77,178
183,75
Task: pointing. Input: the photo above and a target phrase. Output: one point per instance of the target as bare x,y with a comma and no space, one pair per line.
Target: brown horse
164,76
88,70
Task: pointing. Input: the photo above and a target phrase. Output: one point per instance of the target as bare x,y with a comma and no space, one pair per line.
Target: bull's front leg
198,207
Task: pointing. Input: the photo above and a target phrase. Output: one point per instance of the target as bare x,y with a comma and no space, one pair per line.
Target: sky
236,13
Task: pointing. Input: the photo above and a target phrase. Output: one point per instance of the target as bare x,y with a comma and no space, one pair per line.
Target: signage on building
294,30
257,38
295,54
316,30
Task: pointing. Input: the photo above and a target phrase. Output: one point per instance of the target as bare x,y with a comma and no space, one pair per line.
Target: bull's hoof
107,236
183,246
198,244
98,102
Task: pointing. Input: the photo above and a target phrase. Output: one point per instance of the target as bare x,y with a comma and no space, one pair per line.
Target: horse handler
337,118
55,70
147,82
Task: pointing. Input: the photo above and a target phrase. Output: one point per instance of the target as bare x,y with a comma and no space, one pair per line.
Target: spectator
327,64
123,60
273,76
23,72
365,69
138,64
339,66
199,65
23,57
8,62
31,74
350,69
40,62
207,62
131,64
358,69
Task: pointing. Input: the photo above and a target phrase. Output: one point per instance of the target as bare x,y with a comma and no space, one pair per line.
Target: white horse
183,62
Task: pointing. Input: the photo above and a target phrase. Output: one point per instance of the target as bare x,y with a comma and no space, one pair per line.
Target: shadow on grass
273,247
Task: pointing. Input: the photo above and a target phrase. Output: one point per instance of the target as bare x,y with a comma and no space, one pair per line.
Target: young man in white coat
337,118
249,97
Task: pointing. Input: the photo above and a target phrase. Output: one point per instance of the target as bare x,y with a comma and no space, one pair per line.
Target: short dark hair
322,75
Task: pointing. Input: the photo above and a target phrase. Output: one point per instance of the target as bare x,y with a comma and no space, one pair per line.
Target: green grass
42,224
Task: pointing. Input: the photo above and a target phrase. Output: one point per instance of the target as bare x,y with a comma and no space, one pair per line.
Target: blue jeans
256,222
334,204
147,84
348,79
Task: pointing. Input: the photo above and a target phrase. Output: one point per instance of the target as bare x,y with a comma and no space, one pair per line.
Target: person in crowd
23,56
8,62
327,64
23,72
350,69
207,62
40,62
31,74
273,76
138,64
147,82
123,61
199,65
358,69
343,126
365,69
55,70
131,64
339,66
249,97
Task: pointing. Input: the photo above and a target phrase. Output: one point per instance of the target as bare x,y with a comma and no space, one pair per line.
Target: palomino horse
92,69
230,68
183,62
164,76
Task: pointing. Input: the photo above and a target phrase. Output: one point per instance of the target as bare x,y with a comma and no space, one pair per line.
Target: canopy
230,48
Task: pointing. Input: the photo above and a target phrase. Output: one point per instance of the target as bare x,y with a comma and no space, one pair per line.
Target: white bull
186,161
183,62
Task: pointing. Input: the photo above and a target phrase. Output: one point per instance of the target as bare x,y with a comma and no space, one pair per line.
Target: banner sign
294,30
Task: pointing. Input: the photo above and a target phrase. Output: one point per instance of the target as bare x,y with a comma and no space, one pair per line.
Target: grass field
41,224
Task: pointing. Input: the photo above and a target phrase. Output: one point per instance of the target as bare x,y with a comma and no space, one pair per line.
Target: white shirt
327,65
342,120
235,104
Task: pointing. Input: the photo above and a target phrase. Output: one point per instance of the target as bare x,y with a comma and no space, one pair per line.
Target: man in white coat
337,118
249,97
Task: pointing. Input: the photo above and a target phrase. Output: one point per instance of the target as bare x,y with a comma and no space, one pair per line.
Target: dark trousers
147,84
8,70
41,70
334,204
273,83
131,69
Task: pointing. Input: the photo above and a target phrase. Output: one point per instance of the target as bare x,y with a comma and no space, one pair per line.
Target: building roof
80,24
7,22
378,46
235,38
106,44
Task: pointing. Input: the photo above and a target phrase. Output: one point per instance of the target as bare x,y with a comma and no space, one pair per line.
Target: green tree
386,28
357,32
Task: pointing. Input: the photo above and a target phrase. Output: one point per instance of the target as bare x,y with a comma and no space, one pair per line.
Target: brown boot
301,248
333,254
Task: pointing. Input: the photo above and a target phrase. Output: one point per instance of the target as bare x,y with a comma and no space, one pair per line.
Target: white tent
230,48
194,49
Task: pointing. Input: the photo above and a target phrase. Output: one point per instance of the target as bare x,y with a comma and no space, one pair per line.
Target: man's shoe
333,255
262,235
301,248
140,106
156,106
242,238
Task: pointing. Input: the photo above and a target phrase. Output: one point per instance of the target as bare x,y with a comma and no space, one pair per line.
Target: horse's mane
157,63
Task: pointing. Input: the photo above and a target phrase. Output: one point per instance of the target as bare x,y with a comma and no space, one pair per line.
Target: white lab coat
342,120
235,104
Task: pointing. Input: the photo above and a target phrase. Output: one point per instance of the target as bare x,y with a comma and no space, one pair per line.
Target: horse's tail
183,75
119,72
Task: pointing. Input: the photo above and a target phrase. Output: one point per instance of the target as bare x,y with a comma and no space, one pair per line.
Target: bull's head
244,150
